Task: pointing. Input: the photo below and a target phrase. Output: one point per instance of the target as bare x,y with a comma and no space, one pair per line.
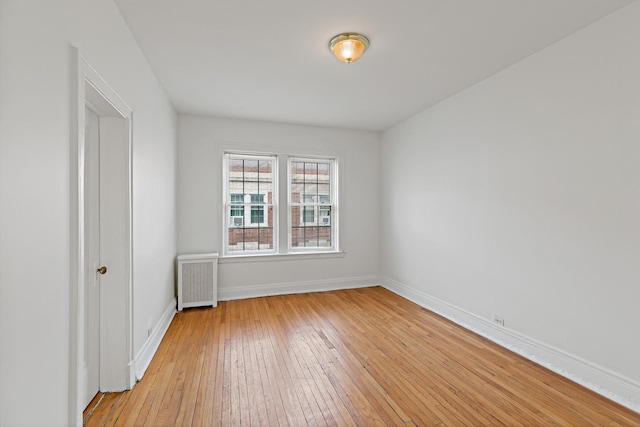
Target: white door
101,340
91,371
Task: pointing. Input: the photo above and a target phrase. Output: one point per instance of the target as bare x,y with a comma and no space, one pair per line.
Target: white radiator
197,280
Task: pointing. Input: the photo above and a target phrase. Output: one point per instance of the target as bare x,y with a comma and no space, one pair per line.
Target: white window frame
281,184
227,155
333,204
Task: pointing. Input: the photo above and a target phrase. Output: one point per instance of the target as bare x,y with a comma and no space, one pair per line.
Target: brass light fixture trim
348,47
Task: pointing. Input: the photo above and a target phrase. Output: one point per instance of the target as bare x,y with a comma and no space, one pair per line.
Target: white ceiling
269,60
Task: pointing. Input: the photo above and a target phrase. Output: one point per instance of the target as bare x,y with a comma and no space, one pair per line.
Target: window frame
317,205
282,224
247,205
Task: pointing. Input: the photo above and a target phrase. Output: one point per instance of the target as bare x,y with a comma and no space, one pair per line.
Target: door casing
116,317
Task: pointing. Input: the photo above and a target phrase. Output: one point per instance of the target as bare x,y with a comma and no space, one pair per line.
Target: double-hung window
252,202
312,204
250,192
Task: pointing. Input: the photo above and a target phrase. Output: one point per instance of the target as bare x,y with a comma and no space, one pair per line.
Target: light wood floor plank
360,357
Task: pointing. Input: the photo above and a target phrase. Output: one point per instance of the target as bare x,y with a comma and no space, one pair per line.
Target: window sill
230,259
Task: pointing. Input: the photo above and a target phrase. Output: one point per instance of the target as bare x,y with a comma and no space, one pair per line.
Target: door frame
116,317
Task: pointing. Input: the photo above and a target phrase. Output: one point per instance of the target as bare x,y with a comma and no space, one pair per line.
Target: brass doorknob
102,270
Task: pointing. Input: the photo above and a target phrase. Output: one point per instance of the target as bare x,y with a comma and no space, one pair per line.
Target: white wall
200,209
34,212
35,188
107,44
520,197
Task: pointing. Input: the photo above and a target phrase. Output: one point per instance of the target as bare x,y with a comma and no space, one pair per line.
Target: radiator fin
197,279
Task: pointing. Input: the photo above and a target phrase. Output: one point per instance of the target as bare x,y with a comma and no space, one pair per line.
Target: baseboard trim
612,385
143,359
254,291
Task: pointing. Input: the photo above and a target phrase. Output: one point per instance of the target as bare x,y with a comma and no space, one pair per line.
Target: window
311,203
249,195
251,203
237,210
308,215
257,212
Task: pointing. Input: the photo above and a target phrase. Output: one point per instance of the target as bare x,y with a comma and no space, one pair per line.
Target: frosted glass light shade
348,47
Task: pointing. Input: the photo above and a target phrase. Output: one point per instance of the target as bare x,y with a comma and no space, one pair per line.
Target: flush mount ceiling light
348,47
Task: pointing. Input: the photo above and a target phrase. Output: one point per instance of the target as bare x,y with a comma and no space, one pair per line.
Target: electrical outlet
498,320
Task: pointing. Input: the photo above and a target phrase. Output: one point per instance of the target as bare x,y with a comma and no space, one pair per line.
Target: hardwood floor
355,357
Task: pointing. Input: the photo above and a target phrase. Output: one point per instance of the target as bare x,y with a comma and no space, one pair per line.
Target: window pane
296,191
311,238
324,193
324,215
324,236
251,242
237,211
265,167
251,187
236,166
257,214
297,168
324,172
309,214
251,168
236,239
297,237
265,236
296,177
310,171
296,218
236,185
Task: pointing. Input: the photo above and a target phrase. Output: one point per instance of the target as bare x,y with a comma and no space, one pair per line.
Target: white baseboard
241,292
601,380
143,358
